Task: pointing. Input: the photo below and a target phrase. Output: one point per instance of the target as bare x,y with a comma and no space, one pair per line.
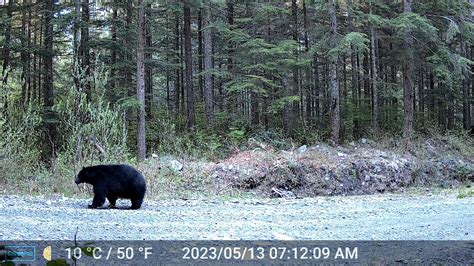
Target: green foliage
275,138
268,10
453,30
353,40
307,134
463,173
378,21
244,85
236,135
279,104
417,24
129,103
258,66
92,131
466,192
20,149
449,66
168,139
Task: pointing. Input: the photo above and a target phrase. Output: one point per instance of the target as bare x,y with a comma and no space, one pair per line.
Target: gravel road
373,217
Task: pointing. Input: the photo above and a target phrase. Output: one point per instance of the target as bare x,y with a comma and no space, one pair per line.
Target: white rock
302,149
176,165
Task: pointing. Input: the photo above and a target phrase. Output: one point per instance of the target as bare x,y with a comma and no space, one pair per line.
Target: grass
450,144
465,192
195,181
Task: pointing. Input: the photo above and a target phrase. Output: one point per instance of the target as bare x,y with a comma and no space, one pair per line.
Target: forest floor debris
358,168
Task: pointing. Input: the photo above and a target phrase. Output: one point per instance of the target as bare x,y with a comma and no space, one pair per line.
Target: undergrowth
97,133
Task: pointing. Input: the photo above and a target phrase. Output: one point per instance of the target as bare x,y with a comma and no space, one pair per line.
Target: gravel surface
378,217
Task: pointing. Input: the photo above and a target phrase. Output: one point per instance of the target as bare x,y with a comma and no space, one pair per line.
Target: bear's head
86,175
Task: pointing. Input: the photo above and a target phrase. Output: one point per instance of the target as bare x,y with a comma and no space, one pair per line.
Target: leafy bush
236,135
275,138
89,132
20,144
169,139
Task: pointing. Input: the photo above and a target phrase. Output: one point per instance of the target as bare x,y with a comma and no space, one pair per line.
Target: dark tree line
341,69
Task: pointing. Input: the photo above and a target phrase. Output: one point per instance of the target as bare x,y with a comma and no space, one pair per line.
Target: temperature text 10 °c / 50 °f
97,253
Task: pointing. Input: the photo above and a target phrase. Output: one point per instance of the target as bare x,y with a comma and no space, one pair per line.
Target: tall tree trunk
182,69
408,77
213,59
308,86
207,38
189,65
231,49
254,108
471,79
354,73
295,92
431,104
344,77
48,95
421,92
450,114
200,54
6,56
113,60
29,57
286,110
220,102
128,53
366,78
465,89
85,49
177,77
34,93
25,60
442,110
168,54
317,87
141,82
168,61
77,46
375,77
168,94
333,80
40,62
148,59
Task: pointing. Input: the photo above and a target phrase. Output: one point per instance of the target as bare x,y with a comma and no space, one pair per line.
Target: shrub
20,144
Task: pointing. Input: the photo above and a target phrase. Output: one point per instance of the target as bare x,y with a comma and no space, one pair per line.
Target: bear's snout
77,181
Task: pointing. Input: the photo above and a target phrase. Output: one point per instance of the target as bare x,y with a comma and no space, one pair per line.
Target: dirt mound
325,170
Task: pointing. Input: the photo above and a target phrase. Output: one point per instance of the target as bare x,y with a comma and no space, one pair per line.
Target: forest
88,81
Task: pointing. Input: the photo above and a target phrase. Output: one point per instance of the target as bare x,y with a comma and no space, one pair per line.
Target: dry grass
266,167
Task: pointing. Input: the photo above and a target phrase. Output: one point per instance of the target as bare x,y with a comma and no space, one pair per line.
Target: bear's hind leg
136,204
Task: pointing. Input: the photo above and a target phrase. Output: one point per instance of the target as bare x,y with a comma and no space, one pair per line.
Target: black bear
113,182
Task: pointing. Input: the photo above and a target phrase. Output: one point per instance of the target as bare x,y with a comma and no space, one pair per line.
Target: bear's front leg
112,200
99,199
